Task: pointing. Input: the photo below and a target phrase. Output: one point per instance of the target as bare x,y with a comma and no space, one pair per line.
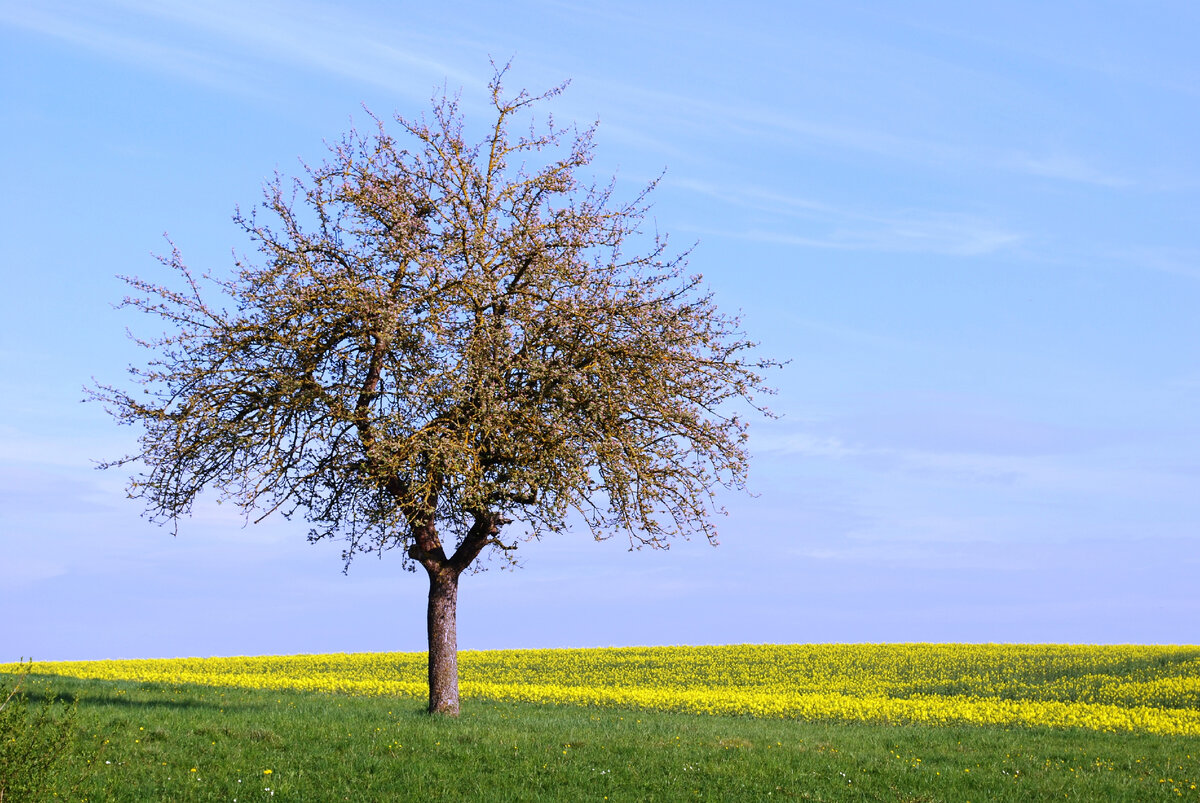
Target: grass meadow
153,731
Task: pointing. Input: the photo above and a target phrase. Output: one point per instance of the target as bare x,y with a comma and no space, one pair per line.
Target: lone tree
445,350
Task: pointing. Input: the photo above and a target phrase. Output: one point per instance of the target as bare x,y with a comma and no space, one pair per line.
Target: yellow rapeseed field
1104,688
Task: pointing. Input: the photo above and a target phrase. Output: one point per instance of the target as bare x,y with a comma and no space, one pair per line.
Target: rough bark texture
443,601
443,641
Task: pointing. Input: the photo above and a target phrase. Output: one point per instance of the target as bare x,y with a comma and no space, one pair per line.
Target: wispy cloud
858,138
843,228
18,572
944,234
1187,383
328,39
758,198
1065,167
1089,474
93,29
1114,53
1177,261
940,547
858,337
732,120
237,36
976,467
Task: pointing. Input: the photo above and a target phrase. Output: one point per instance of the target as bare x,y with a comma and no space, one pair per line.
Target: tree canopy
445,347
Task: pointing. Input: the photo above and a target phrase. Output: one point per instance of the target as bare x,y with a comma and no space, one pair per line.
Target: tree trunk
443,640
441,620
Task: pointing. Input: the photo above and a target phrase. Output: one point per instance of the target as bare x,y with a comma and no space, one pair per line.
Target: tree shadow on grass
88,693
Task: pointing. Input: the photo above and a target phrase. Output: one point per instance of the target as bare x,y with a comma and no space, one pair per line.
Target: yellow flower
1153,689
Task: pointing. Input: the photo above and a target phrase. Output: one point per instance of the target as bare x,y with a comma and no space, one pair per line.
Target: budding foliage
438,339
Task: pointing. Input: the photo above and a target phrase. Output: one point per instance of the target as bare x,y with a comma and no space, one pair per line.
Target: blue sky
971,227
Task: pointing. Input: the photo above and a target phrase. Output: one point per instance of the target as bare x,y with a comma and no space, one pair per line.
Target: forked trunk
443,573
443,641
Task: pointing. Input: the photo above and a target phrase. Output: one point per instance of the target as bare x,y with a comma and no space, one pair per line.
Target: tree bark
443,640
441,618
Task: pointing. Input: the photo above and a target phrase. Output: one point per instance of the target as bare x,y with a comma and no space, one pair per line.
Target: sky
972,228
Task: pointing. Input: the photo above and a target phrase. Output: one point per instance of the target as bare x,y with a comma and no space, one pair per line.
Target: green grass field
142,741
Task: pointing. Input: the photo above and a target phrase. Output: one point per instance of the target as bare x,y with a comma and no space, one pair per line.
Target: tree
447,351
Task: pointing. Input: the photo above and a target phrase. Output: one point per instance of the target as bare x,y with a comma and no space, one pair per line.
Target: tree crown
446,340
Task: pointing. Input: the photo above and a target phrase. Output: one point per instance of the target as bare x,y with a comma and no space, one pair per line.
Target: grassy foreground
143,741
